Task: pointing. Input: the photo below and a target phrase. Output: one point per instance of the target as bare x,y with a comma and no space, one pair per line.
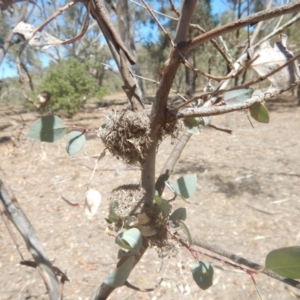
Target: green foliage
163,204
130,240
192,126
178,214
112,216
186,230
259,113
203,274
205,121
69,83
285,262
47,129
184,186
237,96
118,277
75,142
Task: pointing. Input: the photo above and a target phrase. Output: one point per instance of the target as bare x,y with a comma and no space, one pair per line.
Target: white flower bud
92,202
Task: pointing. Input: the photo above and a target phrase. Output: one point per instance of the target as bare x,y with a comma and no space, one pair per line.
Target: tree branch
259,26
167,170
19,219
158,113
250,20
119,51
279,29
218,110
242,261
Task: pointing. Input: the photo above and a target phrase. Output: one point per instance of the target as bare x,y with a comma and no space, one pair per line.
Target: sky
218,6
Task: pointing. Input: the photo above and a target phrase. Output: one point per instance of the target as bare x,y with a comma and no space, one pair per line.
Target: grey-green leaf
118,277
163,204
131,240
237,96
192,126
112,216
203,274
186,185
285,262
47,129
178,214
75,142
205,121
122,253
186,230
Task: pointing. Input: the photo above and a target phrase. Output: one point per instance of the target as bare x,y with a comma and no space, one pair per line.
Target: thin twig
174,8
156,82
119,52
221,78
223,52
158,23
55,15
242,261
221,128
223,109
259,26
280,29
174,156
250,20
226,109
155,11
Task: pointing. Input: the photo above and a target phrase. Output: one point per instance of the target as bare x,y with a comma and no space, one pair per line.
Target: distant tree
70,84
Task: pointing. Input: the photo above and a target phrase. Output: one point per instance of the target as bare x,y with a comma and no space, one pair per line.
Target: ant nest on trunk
127,135
132,207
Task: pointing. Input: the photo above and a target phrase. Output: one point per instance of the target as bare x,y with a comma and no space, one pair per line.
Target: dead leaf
41,39
270,58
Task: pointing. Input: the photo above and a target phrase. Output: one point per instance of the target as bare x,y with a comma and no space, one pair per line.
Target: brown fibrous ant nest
132,200
127,135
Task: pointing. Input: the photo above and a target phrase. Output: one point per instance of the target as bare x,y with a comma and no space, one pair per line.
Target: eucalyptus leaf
131,240
186,185
178,214
112,216
108,118
205,121
192,126
203,274
186,230
169,186
285,262
163,204
122,253
237,96
119,276
47,129
75,142
259,113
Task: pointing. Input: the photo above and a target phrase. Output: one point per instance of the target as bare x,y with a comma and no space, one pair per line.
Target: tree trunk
126,30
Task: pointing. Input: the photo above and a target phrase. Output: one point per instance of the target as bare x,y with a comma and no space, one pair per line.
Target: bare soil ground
247,202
